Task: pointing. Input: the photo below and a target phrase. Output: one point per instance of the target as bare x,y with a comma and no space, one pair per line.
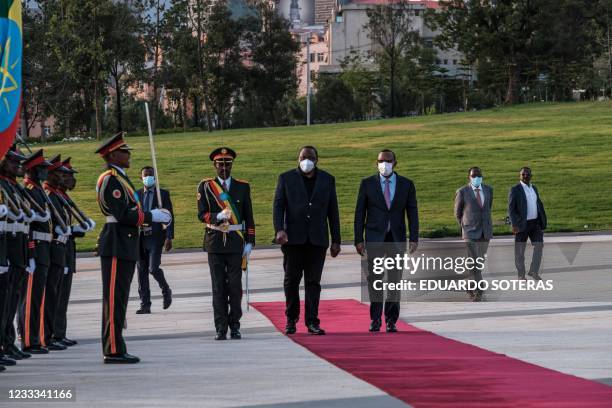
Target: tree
390,27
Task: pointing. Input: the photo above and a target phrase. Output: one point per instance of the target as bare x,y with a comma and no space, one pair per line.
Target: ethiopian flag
10,71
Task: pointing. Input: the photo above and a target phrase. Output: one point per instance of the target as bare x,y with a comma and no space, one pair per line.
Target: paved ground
183,366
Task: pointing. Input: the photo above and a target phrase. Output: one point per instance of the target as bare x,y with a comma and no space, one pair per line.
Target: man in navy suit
153,238
305,215
384,202
528,220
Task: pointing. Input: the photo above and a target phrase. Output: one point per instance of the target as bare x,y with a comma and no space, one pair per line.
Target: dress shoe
121,359
2,368
13,355
235,334
290,327
36,350
144,310
6,361
221,335
315,329
375,325
535,276
391,328
522,277
55,346
167,294
65,342
70,341
477,296
13,352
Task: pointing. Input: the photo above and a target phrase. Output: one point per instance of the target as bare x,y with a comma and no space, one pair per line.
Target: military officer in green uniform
224,206
118,244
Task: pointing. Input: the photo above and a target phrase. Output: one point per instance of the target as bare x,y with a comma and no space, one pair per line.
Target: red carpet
427,370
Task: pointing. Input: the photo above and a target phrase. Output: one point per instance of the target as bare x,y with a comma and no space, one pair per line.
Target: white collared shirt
228,182
532,201
119,169
479,192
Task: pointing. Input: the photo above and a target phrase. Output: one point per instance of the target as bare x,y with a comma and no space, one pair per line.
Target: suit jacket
517,208
116,198
219,242
373,216
307,219
158,233
476,222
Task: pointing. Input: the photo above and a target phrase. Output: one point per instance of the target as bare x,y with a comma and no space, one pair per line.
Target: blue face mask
476,181
148,181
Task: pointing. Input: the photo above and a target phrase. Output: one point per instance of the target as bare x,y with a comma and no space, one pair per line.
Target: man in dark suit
473,204
224,206
384,202
528,220
118,244
305,214
153,238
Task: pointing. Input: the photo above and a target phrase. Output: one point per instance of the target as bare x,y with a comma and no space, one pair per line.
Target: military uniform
118,249
60,323
58,250
31,304
14,238
225,241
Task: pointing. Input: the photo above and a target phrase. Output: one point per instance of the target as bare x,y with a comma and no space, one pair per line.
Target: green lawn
568,147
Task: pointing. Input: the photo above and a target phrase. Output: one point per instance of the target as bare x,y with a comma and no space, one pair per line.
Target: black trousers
52,292
477,248
4,291
117,275
226,278
303,260
536,235
16,278
378,301
60,323
150,260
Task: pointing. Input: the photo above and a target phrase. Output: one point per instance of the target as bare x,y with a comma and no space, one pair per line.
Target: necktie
224,185
387,193
478,197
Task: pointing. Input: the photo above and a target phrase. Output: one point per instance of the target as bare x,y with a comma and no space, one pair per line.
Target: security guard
118,244
224,205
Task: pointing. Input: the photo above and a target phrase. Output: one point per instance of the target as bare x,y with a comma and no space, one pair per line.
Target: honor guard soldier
14,239
55,178
224,205
118,243
60,323
31,306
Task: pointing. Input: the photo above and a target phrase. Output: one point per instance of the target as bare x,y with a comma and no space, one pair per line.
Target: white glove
92,224
27,219
3,210
161,215
31,266
78,228
224,215
4,269
41,218
15,217
60,231
66,270
247,250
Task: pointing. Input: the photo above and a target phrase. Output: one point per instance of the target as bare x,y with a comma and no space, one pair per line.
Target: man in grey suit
528,220
473,204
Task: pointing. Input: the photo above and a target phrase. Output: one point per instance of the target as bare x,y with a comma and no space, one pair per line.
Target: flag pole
153,156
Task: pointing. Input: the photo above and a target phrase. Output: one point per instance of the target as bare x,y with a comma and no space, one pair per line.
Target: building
347,35
316,54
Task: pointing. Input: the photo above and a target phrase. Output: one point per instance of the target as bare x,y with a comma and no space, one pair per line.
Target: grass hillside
568,146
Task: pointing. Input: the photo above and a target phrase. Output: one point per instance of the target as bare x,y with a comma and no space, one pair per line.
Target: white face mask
306,165
385,169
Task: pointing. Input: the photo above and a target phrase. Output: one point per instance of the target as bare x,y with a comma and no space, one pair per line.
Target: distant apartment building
313,57
347,34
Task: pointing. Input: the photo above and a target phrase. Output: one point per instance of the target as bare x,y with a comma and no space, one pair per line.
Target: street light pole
308,79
